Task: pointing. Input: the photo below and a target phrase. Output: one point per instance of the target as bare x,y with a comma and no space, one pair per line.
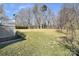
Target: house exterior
7,27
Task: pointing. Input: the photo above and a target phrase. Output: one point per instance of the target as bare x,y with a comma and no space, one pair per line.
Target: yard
39,42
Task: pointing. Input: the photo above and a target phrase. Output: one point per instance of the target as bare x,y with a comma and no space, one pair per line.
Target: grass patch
38,42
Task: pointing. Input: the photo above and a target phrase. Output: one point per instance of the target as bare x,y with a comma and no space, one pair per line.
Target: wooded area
41,16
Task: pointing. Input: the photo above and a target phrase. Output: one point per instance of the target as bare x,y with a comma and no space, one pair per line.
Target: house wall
7,29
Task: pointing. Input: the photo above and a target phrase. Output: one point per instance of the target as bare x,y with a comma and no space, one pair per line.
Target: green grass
38,42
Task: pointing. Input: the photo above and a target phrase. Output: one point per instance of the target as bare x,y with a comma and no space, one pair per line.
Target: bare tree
23,18
39,12
50,19
71,41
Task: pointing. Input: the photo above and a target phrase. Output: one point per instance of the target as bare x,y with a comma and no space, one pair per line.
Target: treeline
39,16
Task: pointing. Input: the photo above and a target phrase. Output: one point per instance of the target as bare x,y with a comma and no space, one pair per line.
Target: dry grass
38,42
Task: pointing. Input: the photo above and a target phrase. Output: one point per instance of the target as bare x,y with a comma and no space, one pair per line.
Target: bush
21,35
21,27
72,45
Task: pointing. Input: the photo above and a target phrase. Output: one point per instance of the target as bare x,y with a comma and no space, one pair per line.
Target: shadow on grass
18,37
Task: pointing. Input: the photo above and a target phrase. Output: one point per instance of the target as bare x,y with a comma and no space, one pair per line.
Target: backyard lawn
39,42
